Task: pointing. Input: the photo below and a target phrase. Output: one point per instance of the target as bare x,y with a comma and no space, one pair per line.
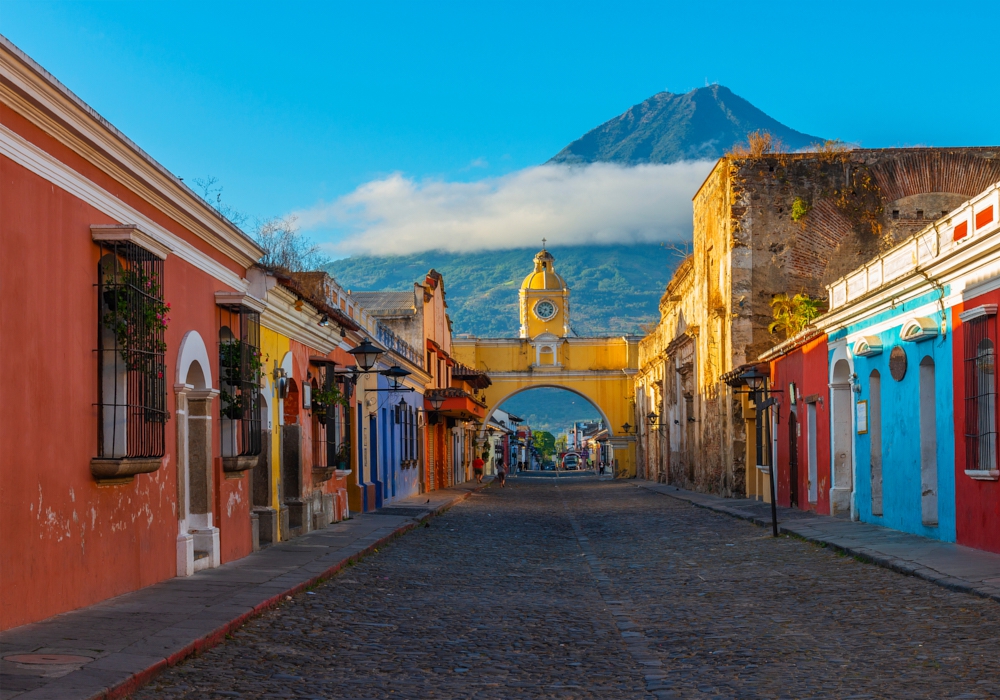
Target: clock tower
544,300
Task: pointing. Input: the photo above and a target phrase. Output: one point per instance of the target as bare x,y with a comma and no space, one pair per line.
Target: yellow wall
599,369
273,347
536,326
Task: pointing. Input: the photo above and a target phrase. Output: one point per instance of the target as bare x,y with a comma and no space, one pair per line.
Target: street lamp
365,355
395,375
755,381
437,401
627,429
651,417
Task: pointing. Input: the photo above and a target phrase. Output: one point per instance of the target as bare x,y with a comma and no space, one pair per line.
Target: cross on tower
543,244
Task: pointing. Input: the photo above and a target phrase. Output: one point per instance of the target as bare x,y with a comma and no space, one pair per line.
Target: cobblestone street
581,589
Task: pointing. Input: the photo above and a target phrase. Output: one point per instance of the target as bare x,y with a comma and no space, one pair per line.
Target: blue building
898,366
892,427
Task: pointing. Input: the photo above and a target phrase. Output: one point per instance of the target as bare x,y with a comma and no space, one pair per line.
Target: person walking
502,475
477,469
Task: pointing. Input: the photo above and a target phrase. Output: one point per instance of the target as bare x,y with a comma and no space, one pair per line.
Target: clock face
545,310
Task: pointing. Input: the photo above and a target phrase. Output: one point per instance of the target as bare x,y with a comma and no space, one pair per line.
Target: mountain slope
667,128
612,289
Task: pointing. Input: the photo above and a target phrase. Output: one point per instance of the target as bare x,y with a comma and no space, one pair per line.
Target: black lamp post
395,375
365,355
756,381
437,401
627,429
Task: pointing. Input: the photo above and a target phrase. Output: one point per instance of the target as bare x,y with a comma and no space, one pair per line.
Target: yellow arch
600,370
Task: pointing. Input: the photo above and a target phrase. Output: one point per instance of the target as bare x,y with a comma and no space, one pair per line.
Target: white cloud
600,203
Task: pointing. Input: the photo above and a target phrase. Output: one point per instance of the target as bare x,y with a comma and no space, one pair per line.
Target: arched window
928,444
875,438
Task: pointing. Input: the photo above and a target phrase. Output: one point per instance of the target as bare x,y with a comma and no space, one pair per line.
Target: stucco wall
806,367
977,503
68,541
901,433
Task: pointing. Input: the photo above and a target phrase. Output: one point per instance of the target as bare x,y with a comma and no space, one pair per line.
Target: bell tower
544,300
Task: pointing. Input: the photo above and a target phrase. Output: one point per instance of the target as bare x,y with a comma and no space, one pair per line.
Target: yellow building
549,354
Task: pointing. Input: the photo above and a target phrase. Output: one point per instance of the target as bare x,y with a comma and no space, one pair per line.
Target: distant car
571,462
549,466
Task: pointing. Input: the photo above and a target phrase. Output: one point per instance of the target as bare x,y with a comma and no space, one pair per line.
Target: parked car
571,462
549,466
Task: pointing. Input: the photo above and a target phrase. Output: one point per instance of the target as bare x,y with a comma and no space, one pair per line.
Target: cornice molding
283,318
240,299
949,269
38,161
130,233
41,99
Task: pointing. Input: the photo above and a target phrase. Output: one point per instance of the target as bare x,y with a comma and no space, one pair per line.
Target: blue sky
294,105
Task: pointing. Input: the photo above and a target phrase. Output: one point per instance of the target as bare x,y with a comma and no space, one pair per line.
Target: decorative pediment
867,345
918,329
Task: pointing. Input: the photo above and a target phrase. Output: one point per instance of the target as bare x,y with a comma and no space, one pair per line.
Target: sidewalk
950,565
109,649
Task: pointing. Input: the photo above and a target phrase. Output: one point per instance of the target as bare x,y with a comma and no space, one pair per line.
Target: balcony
458,403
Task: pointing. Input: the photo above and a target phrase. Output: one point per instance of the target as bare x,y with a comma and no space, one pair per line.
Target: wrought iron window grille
981,433
240,368
132,318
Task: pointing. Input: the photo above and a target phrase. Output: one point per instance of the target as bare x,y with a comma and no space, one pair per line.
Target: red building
977,488
109,283
801,421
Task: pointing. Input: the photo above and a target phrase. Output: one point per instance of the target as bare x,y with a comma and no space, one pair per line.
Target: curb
217,636
863,554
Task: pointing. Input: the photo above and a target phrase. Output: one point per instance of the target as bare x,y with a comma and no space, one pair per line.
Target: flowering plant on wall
138,317
331,396
240,365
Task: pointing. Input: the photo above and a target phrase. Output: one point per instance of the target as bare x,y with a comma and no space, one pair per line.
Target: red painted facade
69,540
807,367
977,503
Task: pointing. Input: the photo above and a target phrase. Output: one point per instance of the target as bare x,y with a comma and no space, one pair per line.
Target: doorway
793,460
374,465
843,461
197,534
811,453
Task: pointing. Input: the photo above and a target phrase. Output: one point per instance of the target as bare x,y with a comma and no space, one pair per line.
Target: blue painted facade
902,481
393,475
407,472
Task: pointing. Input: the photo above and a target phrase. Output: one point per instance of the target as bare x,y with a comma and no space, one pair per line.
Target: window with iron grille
323,419
980,394
132,374
344,433
239,381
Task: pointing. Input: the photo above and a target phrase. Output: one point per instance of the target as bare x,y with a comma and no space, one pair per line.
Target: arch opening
564,420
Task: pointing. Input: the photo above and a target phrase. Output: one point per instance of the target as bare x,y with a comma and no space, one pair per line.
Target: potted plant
343,456
324,398
241,369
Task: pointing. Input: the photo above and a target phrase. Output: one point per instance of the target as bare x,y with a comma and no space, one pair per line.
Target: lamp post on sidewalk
756,381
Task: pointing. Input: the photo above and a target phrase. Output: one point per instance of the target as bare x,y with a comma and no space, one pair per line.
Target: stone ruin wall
860,203
747,248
